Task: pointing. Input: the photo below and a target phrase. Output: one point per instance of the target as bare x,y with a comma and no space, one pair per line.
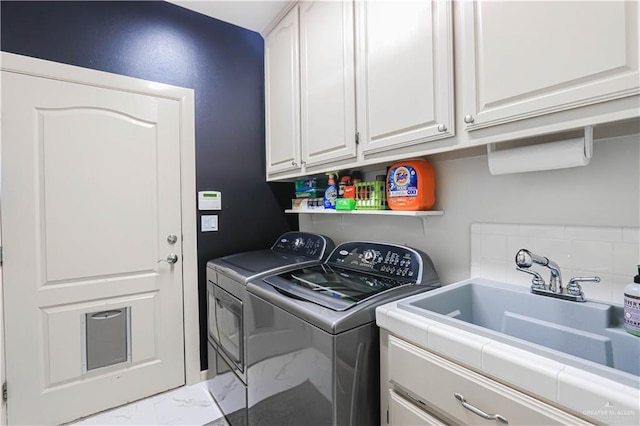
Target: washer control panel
303,244
385,260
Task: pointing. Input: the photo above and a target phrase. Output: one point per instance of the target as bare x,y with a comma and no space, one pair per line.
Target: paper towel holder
588,143
559,154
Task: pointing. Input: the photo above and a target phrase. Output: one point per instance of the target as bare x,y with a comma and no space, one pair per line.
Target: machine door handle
171,259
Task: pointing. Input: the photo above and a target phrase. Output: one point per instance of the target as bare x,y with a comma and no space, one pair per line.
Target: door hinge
387,416
357,138
4,392
0,255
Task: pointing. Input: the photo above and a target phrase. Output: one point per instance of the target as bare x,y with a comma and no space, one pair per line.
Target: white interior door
90,194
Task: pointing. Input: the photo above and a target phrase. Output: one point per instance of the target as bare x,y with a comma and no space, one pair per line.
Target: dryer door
227,310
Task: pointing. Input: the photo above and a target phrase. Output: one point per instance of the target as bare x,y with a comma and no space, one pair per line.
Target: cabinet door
524,59
405,77
282,95
327,81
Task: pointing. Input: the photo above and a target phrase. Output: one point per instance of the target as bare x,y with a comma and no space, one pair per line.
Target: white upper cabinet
522,69
282,96
405,93
327,81
526,59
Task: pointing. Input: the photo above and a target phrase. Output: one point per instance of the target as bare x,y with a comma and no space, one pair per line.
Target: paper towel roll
546,156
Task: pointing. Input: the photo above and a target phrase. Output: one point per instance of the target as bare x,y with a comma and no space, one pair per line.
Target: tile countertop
596,397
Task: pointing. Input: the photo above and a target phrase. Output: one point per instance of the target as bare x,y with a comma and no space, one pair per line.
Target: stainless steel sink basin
589,334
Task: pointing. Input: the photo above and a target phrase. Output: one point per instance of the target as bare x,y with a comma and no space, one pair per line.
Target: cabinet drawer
434,381
403,412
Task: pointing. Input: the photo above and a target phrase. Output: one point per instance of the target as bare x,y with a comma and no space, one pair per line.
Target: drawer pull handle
478,411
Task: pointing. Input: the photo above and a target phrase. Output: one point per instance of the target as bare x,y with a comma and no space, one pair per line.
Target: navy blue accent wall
163,42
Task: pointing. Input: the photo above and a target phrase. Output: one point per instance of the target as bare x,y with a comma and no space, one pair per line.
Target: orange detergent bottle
411,185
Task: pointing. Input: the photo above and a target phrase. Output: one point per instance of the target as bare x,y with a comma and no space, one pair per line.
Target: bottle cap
636,279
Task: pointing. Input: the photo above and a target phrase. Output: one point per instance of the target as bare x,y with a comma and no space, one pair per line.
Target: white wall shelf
371,212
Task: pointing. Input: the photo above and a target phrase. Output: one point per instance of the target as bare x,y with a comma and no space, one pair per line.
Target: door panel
282,94
327,81
513,70
65,352
79,180
91,189
405,72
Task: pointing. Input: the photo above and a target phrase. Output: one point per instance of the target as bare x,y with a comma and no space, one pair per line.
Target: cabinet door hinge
357,138
0,255
4,392
387,416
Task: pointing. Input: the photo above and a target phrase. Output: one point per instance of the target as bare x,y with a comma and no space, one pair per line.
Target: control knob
369,256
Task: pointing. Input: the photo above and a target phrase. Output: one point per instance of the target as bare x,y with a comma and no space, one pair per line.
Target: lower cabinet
424,388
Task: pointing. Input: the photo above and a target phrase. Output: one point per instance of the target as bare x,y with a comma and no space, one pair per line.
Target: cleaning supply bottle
411,186
632,306
331,193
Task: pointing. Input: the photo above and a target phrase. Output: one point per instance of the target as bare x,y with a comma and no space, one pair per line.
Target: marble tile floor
193,405
188,405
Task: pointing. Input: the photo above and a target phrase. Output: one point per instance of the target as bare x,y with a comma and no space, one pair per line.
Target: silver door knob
172,239
293,163
442,128
469,119
171,259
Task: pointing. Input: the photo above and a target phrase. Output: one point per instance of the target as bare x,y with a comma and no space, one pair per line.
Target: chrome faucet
525,259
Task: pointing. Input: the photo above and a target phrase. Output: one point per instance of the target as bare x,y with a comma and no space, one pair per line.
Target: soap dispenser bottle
632,306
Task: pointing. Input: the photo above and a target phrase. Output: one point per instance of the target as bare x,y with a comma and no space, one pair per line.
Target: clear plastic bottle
632,306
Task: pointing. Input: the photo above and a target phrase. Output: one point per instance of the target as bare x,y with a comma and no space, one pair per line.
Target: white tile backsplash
631,235
499,229
612,253
541,231
493,247
596,256
625,254
594,233
494,269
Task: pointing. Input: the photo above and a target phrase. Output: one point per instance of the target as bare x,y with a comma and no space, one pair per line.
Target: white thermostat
209,200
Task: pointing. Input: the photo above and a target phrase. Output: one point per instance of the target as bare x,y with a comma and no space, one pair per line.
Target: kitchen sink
588,334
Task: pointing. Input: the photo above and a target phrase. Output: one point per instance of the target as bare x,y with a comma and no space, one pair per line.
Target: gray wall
604,193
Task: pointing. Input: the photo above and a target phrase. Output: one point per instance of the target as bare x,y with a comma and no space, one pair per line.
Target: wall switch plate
209,223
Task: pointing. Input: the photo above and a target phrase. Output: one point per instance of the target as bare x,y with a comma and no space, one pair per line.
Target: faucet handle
574,287
537,281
